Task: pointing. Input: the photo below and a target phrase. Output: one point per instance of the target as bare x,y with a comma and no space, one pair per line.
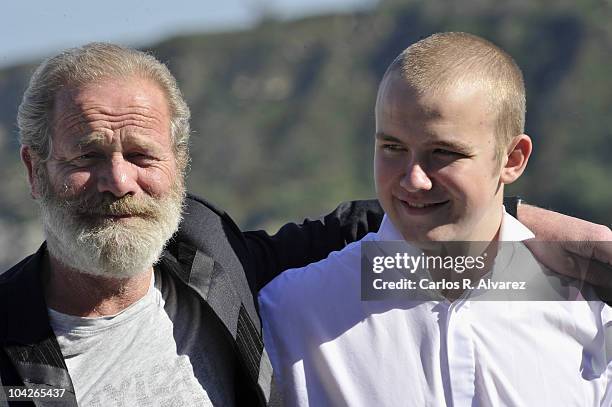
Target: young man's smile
414,207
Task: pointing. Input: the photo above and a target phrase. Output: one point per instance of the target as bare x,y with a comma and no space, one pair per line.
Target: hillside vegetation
283,113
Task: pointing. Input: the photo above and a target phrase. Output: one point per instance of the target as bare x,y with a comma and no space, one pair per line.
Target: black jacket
224,267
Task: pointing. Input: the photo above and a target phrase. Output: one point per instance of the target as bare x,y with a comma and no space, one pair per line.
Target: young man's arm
298,245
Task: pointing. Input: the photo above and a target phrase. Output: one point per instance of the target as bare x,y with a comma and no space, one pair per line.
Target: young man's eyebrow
453,145
450,144
385,137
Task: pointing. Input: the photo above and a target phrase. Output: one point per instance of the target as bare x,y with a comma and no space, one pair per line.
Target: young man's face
435,169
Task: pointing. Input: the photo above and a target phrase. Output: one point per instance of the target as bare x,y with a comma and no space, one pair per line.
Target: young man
449,135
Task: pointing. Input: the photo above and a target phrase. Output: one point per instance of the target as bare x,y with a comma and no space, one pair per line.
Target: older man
104,133
117,307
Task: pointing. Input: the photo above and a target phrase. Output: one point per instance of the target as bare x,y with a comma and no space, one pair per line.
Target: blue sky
32,29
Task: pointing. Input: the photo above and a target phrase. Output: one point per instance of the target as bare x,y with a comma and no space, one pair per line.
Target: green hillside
283,113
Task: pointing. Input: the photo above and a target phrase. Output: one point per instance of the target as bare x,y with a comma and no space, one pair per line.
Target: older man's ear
30,161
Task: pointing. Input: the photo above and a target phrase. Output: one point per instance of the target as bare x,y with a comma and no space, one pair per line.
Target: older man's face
111,193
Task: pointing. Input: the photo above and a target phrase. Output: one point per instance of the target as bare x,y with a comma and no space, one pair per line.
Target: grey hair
88,64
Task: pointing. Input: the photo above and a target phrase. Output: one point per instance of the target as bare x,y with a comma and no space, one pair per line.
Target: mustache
107,204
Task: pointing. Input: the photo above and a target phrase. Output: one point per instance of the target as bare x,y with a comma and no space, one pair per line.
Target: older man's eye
88,157
139,158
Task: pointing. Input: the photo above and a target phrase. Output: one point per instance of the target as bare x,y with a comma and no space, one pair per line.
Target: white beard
110,248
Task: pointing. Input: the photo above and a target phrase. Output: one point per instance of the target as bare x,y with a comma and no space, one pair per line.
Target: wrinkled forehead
130,106
114,93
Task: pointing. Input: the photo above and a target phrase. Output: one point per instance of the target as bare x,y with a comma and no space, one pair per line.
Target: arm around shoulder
571,246
296,245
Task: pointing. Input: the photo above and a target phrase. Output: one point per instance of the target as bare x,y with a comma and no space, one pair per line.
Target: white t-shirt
329,348
160,351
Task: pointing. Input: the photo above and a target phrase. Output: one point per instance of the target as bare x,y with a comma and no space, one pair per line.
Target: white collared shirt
329,348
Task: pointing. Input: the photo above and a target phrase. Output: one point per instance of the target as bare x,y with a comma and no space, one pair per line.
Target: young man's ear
517,156
29,159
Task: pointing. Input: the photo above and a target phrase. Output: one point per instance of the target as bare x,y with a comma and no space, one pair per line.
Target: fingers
594,272
553,256
600,250
585,261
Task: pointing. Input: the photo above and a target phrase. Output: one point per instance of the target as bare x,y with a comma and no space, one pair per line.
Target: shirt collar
387,231
511,230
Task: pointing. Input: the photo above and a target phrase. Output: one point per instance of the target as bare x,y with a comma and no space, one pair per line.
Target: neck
486,252
485,245
75,293
487,228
